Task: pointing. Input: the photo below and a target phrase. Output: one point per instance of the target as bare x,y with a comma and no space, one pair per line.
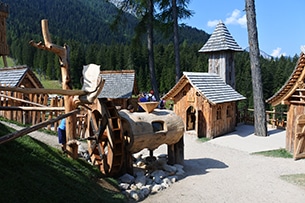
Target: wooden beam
30,108
22,100
297,102
44,91
27,130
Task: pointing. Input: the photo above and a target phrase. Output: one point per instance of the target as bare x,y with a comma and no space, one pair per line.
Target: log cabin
292,94
205,103
19,76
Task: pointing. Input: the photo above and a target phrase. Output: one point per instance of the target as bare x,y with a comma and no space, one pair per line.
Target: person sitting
142,98
150,96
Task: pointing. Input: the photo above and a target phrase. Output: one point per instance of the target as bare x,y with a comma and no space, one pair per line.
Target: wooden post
63,54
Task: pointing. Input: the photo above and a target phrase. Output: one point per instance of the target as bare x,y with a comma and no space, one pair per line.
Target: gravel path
223,170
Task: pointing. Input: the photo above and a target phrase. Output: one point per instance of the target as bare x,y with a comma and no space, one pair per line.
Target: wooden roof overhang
293,91
177,88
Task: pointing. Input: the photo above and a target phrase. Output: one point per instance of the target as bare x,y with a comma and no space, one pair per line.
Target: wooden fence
31,109
274,119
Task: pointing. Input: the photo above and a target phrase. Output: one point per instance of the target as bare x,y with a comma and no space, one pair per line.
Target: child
62,134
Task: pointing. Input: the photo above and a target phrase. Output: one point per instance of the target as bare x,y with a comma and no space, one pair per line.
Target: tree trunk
260,124
176,40
63,54
150,43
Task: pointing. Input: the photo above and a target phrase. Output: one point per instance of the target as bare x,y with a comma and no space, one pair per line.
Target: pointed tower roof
220,40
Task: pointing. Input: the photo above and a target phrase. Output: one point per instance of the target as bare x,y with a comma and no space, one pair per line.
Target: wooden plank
27,130
44,91
30,108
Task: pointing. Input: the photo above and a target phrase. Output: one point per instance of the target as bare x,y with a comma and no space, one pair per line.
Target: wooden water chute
150,130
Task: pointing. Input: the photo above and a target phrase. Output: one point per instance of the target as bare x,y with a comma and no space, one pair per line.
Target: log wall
206,122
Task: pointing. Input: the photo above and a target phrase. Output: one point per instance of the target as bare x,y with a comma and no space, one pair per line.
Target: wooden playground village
114,133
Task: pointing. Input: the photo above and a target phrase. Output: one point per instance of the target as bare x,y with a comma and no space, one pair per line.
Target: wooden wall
293,112
207,124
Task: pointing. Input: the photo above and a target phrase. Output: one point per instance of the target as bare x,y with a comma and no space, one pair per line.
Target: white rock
124,186
173,179
156,188
158,173
140,181
169,168
167,181
145,192
133,187
127,178
134,195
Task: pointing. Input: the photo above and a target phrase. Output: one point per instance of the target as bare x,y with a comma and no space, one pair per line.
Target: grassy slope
31,171
9,60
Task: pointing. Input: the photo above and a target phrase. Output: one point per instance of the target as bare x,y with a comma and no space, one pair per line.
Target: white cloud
277,52
235,18
213,23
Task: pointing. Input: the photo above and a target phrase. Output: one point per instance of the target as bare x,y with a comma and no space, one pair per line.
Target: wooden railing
31,109
274,119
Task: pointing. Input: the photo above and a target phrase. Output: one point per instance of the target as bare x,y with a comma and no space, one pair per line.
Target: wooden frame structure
205,103
292,94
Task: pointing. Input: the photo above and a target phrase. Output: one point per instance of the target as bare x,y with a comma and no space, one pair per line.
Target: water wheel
105,137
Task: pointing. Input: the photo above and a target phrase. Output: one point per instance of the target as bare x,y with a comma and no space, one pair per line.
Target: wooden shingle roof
14,76
208,85
294,88
220,40
118,84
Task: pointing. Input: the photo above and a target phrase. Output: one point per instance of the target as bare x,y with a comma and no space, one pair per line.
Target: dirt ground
223,170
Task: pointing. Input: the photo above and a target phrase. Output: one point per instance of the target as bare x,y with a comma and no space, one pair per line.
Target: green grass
297,179
51,84
9,61
203,139
275,153
31,171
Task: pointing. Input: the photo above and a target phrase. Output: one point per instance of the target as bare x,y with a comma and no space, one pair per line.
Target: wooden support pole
63,54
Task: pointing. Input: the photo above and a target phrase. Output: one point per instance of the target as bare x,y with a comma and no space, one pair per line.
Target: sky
280,23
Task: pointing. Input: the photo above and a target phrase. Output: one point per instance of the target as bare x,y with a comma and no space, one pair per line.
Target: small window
229,111
218,116
158,126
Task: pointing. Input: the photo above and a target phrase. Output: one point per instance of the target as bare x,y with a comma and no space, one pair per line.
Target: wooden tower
4,50
221,47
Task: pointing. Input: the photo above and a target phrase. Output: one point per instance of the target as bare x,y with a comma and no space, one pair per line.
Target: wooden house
119,86
293,94
205,103
19,76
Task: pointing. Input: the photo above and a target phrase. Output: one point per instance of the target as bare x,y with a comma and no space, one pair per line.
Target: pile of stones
150,176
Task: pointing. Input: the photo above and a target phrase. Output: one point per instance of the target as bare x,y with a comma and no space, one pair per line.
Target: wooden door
299,142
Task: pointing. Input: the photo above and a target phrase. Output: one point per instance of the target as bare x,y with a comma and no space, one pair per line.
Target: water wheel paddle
105,137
